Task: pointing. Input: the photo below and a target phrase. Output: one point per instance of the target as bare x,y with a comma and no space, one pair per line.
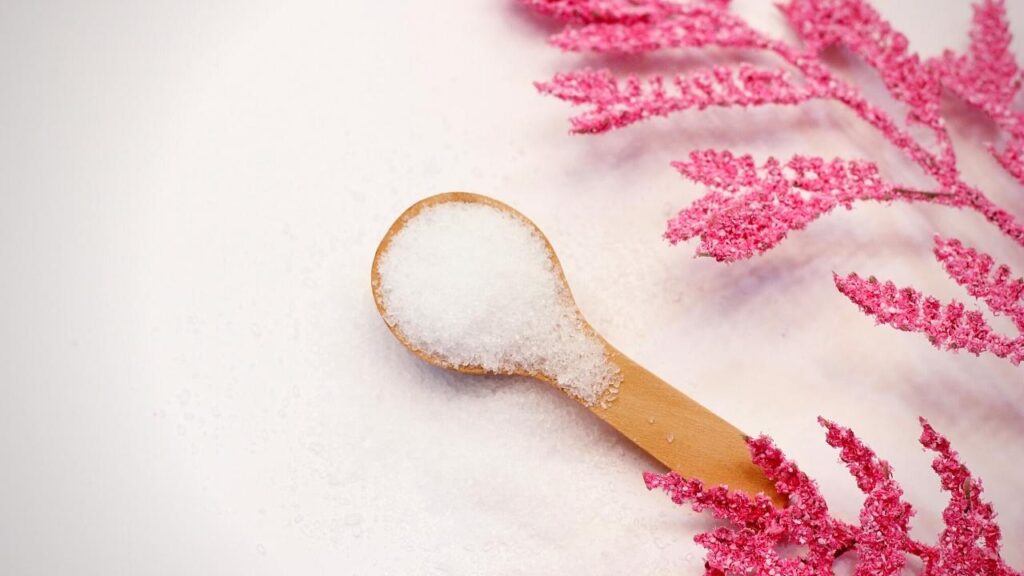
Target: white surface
195,380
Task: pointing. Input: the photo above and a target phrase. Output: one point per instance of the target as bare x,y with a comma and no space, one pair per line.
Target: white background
195,381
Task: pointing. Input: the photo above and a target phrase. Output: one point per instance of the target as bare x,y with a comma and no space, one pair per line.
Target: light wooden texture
679,432
670,426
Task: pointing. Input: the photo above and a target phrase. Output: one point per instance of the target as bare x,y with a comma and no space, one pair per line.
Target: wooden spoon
668,425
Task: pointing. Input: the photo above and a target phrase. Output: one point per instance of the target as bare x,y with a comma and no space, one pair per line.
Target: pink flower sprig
856,25
987,76
618,103
756,531
983,279
750,208
747,209
666,25
594,11
951,325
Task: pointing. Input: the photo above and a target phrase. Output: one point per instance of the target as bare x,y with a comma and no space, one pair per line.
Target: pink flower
615,103
983,279
749,208
950,325
755,530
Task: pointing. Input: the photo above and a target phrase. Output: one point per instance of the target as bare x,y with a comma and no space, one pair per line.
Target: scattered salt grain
476,286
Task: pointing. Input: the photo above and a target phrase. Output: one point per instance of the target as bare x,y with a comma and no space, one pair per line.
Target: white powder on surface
476,286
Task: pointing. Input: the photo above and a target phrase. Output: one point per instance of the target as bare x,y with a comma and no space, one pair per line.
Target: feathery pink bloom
856,25
617,103
987,76
752,208
684,26
755,530
983,279
591,11
736,220
950,325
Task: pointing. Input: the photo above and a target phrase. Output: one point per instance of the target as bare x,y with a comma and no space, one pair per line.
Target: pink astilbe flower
988,78
592,11
983,279
683,26
752,208
856,25
971,540
950,325
614,103
756,530
737,220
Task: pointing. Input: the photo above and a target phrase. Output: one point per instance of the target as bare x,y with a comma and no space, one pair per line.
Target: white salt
476,286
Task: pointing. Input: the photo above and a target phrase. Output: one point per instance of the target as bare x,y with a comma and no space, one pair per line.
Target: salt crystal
477,287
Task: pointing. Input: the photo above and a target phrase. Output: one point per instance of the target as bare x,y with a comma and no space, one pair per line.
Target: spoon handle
680,433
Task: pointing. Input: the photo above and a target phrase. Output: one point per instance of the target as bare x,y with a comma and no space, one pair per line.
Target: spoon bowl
411,213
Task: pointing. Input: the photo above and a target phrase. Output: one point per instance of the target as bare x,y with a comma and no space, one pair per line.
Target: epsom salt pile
475,286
